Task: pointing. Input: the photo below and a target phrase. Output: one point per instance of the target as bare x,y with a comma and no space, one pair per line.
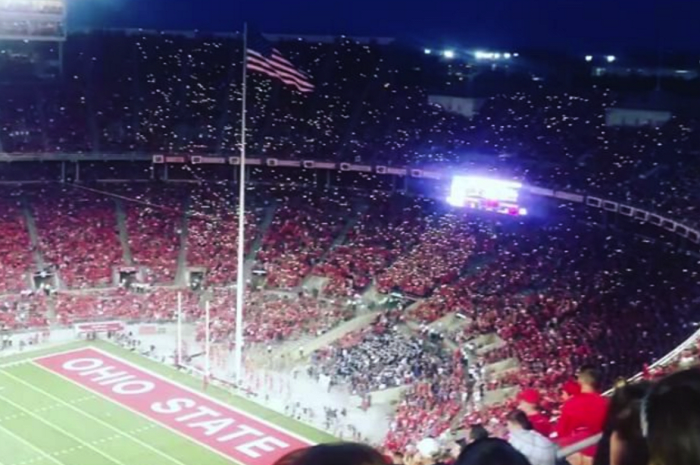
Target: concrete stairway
314,282
498,396
414,325
123,233
349,224
319,282
450,322
389,396
33,235
51,311
501,367
312,344
268,216
372,295
487,342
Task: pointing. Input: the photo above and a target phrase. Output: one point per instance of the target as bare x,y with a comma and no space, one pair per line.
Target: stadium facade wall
630,117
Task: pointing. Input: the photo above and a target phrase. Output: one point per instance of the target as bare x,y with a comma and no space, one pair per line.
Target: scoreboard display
486,194
33,20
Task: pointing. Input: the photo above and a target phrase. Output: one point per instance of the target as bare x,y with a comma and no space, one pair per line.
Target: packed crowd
212,233
641,423
379,357
302,230
15,245
380,236
552,292
271,317
550,288
78,234
154,223
25,310
162,93
157,304
438,257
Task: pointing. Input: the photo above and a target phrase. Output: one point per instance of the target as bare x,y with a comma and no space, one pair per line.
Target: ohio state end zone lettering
225,429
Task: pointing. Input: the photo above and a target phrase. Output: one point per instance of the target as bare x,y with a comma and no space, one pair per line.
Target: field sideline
52,416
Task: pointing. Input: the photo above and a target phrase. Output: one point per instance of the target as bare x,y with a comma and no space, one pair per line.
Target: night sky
604,26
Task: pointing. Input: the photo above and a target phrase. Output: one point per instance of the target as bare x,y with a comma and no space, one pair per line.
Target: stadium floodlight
449,54
610,58
589,58
427,51
507,55
497,56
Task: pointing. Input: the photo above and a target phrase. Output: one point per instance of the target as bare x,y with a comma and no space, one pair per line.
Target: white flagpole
240,284
207,340
179,329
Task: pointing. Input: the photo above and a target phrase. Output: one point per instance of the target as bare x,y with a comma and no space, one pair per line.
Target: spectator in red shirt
584,414
570,389
528,402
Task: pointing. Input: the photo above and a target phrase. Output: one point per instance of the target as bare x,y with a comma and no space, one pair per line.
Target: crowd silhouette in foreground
643,423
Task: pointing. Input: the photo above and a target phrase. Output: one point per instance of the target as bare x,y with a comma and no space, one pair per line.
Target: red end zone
222,428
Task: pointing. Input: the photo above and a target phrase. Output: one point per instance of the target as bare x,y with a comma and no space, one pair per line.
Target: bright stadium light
449,54
610,58
427,51
589,58
497,56
507,55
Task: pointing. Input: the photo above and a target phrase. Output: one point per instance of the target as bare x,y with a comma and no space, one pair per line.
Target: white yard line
96,419
49,352
12,364
58,428
143,415
41,452
46,408
55,455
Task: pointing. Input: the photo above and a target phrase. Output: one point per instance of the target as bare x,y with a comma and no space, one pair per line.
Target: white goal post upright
207,342
179,330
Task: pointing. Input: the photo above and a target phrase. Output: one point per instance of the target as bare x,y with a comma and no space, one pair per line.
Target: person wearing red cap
570,389
528,402
583,415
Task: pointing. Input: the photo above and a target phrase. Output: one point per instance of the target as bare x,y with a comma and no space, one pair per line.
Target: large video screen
486,194
34,7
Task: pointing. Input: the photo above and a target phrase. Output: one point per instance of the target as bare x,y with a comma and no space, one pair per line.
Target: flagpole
240,285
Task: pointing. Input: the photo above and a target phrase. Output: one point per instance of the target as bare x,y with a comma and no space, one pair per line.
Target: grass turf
47,420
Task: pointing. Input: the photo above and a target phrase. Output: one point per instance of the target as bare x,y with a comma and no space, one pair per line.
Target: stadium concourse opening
359,249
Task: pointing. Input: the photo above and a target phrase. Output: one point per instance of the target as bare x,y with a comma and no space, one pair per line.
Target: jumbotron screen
33,20
487,194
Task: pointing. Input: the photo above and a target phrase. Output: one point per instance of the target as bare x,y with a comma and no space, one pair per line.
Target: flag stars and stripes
262,57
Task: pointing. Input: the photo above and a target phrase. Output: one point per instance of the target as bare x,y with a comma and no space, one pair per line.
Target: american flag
264,58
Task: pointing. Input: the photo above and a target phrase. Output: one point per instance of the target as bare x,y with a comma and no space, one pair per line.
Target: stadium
221,248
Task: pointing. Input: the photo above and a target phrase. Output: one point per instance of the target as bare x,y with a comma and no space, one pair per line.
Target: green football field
47,419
